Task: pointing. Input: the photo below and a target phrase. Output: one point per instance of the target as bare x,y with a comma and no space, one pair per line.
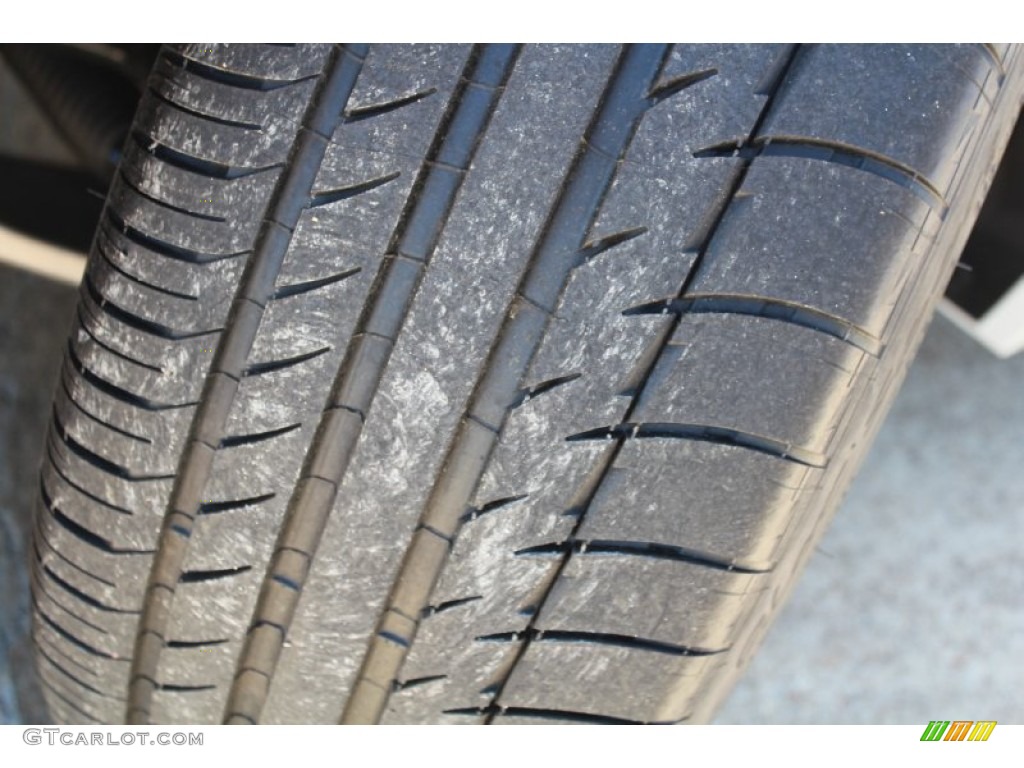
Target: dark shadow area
993,259
31,191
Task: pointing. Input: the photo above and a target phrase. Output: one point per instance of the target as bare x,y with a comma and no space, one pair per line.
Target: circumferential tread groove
389,300
292,192
626,99
608,462
514,632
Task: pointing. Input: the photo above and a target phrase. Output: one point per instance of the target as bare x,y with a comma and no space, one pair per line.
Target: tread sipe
486,384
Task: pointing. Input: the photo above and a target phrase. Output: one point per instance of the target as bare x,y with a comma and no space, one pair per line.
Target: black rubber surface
486,383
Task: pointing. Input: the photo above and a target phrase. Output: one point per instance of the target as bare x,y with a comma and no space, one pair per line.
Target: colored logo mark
958,730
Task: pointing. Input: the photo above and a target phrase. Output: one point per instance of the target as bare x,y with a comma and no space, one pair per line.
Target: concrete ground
912,608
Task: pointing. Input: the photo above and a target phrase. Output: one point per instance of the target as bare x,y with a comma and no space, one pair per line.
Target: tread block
137,531
246,536
814,216
69,615
210,285
100,670
495,612
82,706
136,456
188,140
609,681
480,665
80,577
456,312
119,567
726,500
391,72
234,592
675,603
927,87
703,378
187,707
291,62
195,667
269,112
184,189
115,364
114,281
105,405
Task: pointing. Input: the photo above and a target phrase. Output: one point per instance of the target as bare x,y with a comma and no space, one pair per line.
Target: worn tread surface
486,383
